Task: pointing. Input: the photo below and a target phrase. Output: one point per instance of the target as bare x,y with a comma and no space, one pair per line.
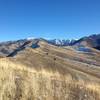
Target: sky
63,19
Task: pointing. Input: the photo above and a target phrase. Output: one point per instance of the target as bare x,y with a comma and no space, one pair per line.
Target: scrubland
18,82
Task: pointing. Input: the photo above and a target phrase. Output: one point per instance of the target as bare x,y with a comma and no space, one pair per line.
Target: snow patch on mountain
30,38
61,42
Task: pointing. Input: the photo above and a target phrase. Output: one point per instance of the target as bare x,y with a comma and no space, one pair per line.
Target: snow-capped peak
30,38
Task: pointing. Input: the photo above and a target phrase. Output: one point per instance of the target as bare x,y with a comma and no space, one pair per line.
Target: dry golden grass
18,82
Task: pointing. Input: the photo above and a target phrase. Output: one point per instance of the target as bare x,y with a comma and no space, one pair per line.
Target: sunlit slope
49,73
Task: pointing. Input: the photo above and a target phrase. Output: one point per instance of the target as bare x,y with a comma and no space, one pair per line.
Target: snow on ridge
30,38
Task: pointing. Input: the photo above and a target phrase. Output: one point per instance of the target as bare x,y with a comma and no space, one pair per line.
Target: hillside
8,47
40,71
91,41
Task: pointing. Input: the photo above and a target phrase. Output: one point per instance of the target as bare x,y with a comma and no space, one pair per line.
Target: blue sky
48,18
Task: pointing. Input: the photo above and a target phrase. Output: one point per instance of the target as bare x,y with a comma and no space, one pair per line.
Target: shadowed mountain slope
8,47
91,41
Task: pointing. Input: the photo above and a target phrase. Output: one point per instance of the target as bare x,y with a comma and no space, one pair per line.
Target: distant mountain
90,41
59,42
9,46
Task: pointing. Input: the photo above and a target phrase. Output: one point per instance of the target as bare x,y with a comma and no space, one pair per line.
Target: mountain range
91,41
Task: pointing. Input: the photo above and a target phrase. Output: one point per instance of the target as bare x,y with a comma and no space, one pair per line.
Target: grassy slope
48,73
